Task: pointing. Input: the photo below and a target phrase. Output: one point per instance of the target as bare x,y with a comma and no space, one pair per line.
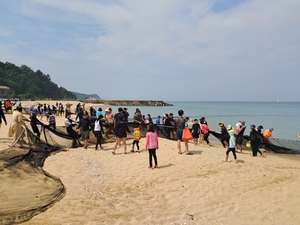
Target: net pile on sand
28,190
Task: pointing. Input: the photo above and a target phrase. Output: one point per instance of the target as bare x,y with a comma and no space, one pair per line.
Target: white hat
229,127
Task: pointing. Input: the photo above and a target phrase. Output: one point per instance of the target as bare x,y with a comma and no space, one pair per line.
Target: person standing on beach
152,145
121,134
85,125
33,123
98,131
137,118
202,121
179,126
205,130
2,116
52,120
239,132
266,136
254,138
170,124
17,126
99,113
109,121
136,138
224,134
259,128
118,115
72,133
125,114
231,147
196,131
157,121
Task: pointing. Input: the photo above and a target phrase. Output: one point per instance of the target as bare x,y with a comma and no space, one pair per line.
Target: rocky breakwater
127,102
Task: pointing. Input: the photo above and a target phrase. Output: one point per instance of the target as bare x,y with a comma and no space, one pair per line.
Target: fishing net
284,146
275,145
27,189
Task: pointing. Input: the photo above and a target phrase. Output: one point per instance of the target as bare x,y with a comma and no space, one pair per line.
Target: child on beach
231,146
136,138
152,145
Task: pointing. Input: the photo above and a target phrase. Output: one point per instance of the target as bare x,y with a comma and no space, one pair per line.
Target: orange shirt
267,134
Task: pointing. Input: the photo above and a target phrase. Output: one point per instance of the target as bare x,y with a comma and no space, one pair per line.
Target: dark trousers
206,138
152,153
231,150
223,139
74,135
255,149
137,144
98,138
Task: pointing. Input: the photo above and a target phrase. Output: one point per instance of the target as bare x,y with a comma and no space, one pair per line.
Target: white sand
187,189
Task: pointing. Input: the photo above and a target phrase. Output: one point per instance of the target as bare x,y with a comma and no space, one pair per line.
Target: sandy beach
101,188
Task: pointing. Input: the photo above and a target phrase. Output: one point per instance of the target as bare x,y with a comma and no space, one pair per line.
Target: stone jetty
126,102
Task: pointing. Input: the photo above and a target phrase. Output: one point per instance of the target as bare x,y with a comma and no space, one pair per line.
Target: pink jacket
204,128
151,140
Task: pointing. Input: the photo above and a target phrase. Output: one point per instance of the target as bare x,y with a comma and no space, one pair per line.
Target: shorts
178,135
239,140
196,135
85,134
121,135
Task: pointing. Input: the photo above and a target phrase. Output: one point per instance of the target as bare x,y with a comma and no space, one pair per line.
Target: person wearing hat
231,146
239,132
259,128
72,133
17,126
190,124
224,134
229,127
266,136
254,138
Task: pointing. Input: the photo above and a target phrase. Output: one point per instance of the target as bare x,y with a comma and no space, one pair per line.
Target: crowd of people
117,124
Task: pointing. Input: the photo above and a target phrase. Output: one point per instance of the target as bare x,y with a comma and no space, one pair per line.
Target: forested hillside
28,84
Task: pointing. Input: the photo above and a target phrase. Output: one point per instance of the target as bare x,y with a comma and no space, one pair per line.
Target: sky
170,50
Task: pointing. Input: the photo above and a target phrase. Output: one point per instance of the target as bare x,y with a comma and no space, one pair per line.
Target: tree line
28,84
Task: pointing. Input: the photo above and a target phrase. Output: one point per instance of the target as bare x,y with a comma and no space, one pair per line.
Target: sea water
283,117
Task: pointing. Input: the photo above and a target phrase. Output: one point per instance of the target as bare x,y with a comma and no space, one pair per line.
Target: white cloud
166,43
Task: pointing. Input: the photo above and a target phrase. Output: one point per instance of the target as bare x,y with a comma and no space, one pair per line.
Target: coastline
120,189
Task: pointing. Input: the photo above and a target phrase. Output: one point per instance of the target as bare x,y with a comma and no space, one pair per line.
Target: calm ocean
282,116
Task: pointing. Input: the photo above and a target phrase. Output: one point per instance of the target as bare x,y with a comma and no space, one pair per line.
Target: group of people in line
117,124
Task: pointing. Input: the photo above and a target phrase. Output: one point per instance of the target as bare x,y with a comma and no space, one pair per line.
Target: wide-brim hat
242,122
107,110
